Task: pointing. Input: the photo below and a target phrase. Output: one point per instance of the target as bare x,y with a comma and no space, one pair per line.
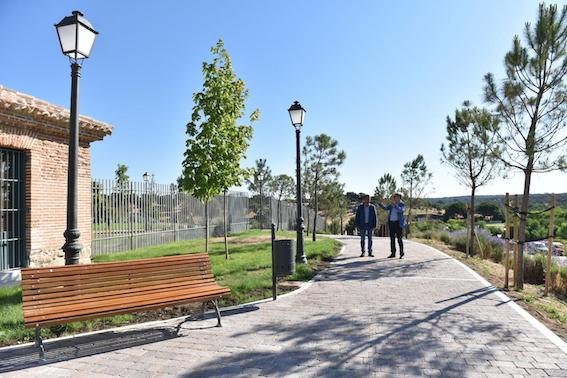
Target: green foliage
216,144
387,186
470,148
261,177
491,210
121,174
322,160
415,179
456,224
455,210
282,187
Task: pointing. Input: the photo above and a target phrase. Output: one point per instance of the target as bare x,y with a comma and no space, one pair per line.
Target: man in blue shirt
365,221
396,223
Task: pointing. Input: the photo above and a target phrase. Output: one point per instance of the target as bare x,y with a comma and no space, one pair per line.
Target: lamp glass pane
85,42
296,116
67,38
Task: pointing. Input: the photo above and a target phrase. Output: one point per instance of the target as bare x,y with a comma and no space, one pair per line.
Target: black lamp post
76,36
297,115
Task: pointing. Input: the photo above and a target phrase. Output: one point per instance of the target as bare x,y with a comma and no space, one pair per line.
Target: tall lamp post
297,115
76,36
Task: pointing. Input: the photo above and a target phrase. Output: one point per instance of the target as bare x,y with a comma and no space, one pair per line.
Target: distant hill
537,201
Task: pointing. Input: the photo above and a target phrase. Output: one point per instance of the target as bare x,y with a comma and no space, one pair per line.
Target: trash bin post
274,277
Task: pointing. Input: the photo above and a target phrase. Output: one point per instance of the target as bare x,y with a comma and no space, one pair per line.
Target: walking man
365,221
396,222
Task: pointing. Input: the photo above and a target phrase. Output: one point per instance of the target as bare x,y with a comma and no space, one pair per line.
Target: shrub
459,241
444,237
534,269
494,230
456,224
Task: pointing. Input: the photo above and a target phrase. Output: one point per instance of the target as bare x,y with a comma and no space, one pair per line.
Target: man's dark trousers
366,231
395,233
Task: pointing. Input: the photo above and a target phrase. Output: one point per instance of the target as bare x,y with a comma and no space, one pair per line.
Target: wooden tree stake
507,257
550,246
516,260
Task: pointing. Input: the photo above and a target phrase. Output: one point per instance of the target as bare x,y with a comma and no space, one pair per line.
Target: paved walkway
424,315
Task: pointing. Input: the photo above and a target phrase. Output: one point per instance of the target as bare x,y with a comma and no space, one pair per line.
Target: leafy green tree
282,187
121,177
387,186
472,151
531,102
258,183
489,209
216,144
415,178
322,162
334,202
455,210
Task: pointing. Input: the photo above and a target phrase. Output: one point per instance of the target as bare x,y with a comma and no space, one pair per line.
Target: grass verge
247,272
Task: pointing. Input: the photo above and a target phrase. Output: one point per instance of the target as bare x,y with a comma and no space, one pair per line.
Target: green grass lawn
247,272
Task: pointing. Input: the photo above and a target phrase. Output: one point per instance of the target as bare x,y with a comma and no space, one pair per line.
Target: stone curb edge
523,313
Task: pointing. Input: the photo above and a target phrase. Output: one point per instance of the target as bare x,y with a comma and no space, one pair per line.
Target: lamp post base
72,246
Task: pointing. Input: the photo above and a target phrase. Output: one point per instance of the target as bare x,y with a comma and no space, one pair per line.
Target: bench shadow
58,350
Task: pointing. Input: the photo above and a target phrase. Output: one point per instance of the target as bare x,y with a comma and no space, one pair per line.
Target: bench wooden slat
61,312
43,303
32,296
102,267
111,271
119,312
45,283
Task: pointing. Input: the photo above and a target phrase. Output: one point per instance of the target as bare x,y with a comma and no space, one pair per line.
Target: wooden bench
59,295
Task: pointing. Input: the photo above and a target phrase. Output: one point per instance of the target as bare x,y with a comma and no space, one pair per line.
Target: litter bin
285,257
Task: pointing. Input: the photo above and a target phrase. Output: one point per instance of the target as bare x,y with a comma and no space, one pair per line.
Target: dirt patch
545,309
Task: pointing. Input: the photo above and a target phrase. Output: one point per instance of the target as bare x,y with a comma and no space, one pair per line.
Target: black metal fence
133,215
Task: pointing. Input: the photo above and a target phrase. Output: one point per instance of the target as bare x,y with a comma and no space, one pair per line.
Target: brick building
33,180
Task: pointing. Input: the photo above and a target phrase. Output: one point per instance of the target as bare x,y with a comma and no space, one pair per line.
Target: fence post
550,246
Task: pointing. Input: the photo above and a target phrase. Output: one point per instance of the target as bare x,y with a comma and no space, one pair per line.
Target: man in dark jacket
365,221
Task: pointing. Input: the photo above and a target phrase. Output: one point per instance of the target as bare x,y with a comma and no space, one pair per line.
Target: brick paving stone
369,317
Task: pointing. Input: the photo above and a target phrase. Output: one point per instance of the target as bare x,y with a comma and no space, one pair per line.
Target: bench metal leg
39,343
216,304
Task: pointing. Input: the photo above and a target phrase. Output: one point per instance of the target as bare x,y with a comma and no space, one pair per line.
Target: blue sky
379,76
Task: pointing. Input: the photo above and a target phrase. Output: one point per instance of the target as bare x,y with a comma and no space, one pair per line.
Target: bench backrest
51,285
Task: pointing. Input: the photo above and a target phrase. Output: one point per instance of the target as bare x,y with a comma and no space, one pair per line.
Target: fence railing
132,215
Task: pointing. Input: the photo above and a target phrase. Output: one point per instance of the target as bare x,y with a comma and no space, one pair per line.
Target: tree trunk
279,212
206,227
308,219
314,235
341,217
471,224
519,279
409,211
225,228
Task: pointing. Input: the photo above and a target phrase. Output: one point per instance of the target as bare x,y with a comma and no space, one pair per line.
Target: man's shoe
401,255
362,254
392,255
370,254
